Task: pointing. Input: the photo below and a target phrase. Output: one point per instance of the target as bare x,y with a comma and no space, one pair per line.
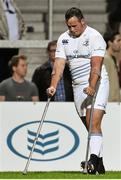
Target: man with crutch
84,48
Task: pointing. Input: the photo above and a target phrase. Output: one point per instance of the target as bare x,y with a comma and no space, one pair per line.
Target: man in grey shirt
17,88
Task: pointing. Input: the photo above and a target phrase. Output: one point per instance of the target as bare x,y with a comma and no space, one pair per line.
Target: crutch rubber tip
24,172
85,171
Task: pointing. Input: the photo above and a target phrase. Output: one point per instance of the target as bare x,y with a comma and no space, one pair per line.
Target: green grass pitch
59,175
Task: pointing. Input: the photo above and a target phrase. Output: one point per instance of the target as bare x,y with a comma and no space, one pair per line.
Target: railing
24,44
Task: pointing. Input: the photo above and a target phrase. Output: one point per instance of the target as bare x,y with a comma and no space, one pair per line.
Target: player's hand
51,91
89,91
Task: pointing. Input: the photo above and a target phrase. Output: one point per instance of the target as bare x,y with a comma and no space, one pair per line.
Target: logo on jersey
86,42
65,41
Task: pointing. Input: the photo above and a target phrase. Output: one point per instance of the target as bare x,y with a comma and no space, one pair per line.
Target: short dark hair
51,43
110,36
73,12
15,60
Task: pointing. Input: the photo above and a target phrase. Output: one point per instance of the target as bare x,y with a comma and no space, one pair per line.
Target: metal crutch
36,138
90,127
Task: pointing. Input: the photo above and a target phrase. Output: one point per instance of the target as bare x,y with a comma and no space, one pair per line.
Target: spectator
119,73
42,78
11,28
113,40
17,88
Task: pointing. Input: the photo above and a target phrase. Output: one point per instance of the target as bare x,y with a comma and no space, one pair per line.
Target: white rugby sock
101,151
96,144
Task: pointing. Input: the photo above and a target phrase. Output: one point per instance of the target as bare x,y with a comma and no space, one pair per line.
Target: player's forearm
94,77
57,73
54,80
95,73
91,89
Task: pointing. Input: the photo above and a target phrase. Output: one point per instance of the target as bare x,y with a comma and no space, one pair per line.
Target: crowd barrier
62,142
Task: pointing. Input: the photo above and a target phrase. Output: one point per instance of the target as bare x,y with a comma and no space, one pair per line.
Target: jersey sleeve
60,50
98,45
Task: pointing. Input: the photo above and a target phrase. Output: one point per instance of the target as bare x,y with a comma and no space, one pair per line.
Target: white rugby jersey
78,51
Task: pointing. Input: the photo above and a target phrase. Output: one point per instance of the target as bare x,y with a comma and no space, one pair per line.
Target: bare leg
95,140
97,119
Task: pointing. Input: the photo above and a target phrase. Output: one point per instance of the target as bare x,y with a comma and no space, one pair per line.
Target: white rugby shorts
101,98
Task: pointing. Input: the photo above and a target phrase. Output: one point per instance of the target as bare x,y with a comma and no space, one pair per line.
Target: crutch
90,127
36,138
